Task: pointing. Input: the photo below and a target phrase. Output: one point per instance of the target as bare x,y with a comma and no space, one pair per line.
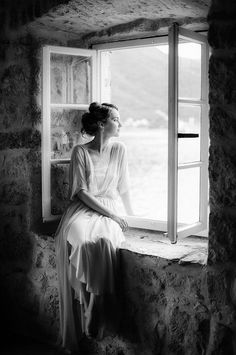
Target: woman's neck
99,143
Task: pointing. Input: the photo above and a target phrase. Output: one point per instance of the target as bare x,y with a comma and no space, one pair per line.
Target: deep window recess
160,87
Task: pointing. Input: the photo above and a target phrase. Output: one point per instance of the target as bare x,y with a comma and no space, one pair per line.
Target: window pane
189,122
188,195
189,70
65,132
138,86
147,153
70,79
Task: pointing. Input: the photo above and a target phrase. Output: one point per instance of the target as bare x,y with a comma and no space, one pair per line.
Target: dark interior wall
14,14
24,282
222,99
29,302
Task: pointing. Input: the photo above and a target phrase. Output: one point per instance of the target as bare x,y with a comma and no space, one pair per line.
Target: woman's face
112,126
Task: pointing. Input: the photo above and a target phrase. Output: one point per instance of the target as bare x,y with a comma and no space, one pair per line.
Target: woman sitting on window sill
91,232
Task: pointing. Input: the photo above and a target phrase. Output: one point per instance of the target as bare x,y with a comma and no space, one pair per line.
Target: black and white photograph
118,177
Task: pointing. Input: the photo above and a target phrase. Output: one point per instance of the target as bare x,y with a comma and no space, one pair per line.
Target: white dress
93,239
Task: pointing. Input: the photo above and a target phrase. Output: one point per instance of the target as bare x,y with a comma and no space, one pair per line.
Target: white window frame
175,232
170,226
96,85
46,121
134,222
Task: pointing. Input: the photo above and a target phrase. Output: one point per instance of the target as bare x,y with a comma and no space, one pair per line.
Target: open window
164,123
69,85
188,134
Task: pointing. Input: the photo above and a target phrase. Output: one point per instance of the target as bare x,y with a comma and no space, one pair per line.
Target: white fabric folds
87,242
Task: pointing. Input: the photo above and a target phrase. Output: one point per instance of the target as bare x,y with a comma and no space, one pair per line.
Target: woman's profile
91,231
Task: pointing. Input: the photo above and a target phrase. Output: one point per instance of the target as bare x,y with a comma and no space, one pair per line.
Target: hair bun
94,106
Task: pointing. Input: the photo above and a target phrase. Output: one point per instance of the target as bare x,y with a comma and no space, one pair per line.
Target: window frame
134,222
143,223
46,118
174,231
95,53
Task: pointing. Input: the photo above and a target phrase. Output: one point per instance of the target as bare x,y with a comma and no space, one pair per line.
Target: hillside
139,83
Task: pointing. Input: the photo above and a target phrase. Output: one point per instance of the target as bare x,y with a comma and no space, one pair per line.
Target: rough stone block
16,52
217,287
222,121
222,76
14,164
221,34
222,175
27,138
222,340
179,323
18,112
165,305
15,81
15,192
15,220
222,242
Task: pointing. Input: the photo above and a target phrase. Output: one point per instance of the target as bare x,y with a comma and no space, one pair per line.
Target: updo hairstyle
97,113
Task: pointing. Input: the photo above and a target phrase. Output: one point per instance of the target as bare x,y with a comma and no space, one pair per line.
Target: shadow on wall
28,278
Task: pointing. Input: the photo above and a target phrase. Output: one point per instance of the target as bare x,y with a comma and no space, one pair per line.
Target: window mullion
172,134
204,135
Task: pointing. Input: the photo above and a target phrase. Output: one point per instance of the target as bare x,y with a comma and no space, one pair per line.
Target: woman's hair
97,113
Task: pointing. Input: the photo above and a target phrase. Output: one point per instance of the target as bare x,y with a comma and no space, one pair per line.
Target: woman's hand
91,201
121,221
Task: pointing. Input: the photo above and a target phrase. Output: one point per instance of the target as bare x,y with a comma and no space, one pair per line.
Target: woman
90,232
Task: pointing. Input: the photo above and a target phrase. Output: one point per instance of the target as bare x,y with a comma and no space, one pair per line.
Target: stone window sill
189,250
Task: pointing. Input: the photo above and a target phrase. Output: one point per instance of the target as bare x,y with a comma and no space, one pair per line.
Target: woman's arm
91,201
125,197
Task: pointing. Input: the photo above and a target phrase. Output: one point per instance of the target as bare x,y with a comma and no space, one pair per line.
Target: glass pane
147,156
188,195
143,74
189,70
70,79
65,132
59,187
189,121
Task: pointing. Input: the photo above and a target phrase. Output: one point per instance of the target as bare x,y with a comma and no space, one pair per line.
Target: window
164,122
188,137
68,88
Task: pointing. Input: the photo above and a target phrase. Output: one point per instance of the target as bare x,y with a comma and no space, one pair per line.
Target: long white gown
93,238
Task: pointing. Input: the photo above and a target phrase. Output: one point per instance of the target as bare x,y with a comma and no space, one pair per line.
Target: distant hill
140,83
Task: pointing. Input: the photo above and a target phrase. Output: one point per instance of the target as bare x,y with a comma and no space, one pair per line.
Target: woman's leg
88,300
90,317
85,296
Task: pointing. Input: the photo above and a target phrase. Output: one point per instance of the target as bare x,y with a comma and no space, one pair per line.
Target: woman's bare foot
88,318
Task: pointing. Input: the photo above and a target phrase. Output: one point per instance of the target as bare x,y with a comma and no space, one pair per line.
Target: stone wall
222,165
27,268
177,309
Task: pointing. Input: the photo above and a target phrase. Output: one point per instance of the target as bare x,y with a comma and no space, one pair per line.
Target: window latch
188,135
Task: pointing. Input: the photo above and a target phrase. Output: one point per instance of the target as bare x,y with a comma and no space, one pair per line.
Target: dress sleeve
123,181
77,172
